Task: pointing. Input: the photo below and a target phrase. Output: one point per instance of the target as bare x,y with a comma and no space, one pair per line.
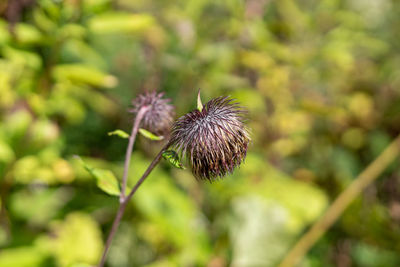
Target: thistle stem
155,161
122,198
128,154
116,222
124,203
341,203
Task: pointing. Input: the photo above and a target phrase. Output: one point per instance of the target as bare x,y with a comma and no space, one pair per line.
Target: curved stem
155,161
125,201
341,203
122,206
128,154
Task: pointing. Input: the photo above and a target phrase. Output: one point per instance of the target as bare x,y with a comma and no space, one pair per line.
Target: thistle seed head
214,140
159,117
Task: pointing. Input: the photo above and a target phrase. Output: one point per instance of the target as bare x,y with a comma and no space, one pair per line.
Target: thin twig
341,203
116,222
128,154
122,206
155,161
125,201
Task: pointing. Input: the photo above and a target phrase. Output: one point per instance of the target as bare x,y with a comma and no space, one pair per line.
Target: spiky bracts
214,141
159,117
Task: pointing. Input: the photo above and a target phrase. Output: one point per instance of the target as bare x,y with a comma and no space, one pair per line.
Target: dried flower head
213,139
159,117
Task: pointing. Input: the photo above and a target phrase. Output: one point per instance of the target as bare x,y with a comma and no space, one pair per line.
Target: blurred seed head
214,141
159,117
13,10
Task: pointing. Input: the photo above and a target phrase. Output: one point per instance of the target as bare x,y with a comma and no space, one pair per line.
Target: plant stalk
116,222
122,199
128,154
124,203
341,203
155,161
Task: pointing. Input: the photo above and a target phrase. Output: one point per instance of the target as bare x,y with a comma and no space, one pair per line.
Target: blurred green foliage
320,80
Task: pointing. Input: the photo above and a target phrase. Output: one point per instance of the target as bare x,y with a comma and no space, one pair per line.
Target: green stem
341,203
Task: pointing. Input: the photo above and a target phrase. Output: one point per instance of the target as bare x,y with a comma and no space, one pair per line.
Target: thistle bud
213,138
159,117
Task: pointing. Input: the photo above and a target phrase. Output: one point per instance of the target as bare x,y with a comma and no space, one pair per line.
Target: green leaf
199,104
106,180
83,74
28,34
23,57
173,158
22,256
119,133
6,152
78,241
150,135
119,22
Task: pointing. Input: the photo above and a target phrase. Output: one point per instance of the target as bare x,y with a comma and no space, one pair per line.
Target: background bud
159,117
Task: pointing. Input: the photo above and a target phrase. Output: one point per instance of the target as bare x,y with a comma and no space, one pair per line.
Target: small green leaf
121,22
119,133
150,135
173,158
199,104
105,179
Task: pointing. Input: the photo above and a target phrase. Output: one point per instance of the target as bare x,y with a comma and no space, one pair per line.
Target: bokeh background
321,80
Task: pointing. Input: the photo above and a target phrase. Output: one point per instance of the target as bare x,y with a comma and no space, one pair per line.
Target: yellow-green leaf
118,22
84,74
105,179
150,135
119,133
6,152
199,104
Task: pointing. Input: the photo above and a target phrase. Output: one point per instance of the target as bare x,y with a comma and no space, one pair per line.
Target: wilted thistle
159,117
214,139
